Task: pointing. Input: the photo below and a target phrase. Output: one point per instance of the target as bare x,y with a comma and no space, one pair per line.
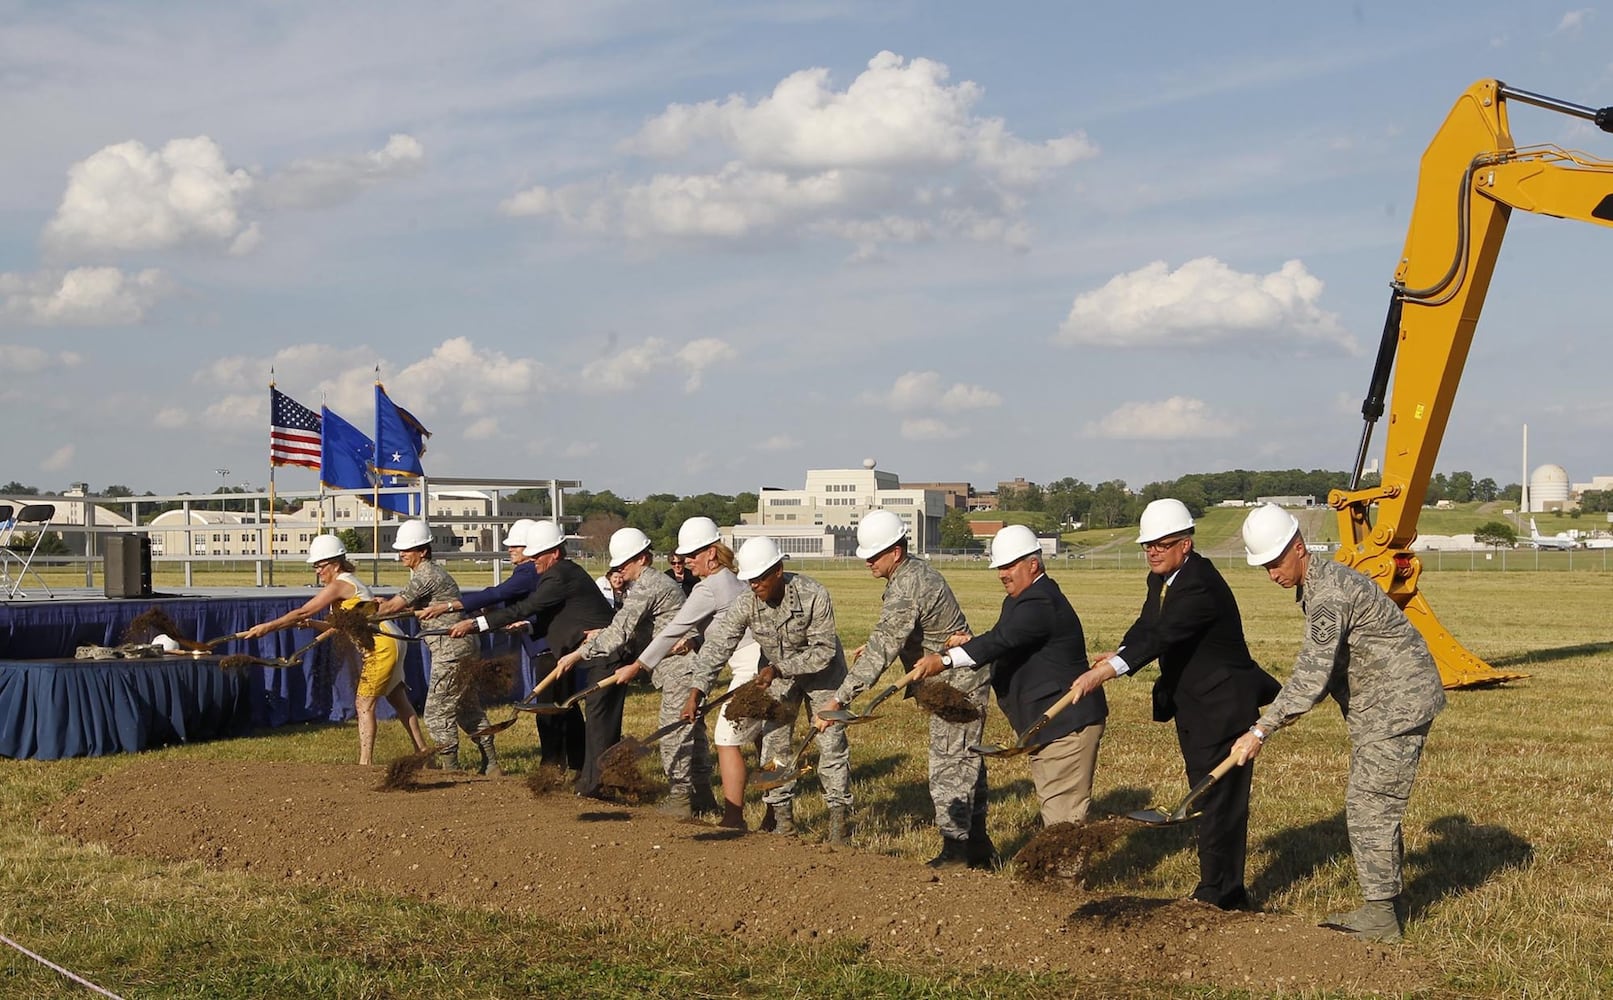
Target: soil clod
494,675
1064,850
945,701
237,660
620,775
152,622
753,702
545,779
403,774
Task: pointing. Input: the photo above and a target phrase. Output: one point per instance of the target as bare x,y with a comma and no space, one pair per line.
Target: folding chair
38,515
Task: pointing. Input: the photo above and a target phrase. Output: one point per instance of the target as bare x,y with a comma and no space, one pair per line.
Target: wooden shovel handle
552,676
1070,697
585,692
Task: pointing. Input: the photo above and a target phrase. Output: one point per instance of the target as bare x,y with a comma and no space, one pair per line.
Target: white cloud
580,449
1574,20
778,442
126,197
20,359
1179,418
482,430
899,156
928,391
1201,303
83,296
928,429
59,459
171,418
321,182
626,367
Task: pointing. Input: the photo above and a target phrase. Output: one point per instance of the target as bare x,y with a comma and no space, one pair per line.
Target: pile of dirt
945,702
494,675
327,825
752,701
152,622
621,776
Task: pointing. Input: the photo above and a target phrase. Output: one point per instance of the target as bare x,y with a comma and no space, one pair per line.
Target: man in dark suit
1037,651
1208,684
565,605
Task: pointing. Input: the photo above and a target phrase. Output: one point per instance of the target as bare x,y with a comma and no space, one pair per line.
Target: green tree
1110,501
50,545
1486,490
1497,533
955,532
16,489
353,541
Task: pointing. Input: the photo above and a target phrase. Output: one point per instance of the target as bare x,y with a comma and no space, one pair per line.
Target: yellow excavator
1471,179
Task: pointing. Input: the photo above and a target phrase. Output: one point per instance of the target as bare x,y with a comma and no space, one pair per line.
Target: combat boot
783,814
954,854
981,852
702,800
445,760
839,825
1375,920
489,759
676,804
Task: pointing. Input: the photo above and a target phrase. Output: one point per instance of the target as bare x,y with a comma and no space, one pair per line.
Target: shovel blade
1149,817
839,715
542,708
769,780
495,728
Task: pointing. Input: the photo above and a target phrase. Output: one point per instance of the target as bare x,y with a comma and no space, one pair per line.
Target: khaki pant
1062,772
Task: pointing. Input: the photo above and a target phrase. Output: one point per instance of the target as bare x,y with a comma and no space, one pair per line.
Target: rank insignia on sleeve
1324,626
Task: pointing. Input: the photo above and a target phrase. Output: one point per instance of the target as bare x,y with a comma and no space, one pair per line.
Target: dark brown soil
544,780
945,702
494,675
353,625
152,622
403,774
327,825
752,701
620,774
1064,849
238,660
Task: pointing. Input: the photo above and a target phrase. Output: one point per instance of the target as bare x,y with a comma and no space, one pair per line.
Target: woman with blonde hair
381,675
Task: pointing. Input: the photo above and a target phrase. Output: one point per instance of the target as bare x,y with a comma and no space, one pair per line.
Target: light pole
223,485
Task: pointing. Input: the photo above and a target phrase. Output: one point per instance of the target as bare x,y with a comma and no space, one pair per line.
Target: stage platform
53,706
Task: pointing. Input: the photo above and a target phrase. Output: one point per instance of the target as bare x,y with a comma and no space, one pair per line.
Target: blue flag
347,461
400,439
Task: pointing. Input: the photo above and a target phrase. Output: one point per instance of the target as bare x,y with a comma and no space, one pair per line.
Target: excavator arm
1471,179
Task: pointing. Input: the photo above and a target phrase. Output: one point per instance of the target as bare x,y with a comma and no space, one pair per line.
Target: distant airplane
1561,540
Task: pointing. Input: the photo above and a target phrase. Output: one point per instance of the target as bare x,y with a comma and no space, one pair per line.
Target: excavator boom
1471,179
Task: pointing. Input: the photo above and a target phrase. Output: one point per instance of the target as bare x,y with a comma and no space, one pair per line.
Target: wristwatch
946,661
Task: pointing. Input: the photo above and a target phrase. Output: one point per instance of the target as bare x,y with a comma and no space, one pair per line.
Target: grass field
1508,839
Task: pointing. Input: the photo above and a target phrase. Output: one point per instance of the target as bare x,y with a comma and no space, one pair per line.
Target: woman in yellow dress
382,672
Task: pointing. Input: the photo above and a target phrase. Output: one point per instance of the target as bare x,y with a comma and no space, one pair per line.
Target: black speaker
128,565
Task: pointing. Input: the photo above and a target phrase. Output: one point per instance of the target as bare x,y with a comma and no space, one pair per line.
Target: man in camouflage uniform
649,604
453,701
1360,648
918,613
792,619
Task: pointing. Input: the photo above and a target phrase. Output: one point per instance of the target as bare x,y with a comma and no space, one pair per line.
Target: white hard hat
543,536
516,539
1012,543
757,556
1266,533
879,531
168,644
695,534
325,547
1161,518
625,543
412,535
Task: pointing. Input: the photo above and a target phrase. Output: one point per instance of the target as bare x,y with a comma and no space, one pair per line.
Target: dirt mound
327,825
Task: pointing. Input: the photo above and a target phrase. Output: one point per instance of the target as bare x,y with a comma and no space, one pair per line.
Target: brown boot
839,826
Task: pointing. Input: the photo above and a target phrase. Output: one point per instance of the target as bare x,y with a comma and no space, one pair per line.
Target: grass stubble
1506,837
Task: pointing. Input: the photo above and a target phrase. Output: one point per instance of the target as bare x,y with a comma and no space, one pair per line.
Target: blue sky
705,246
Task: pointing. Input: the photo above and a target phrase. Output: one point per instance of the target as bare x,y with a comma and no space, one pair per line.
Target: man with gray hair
1360,648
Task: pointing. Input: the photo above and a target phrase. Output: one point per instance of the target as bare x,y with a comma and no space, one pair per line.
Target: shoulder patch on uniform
1324,626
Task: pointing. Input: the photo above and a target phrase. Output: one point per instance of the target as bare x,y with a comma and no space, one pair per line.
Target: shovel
526,706
781,774
1024,744
648,743
591,689
281,662
1180,814
846,717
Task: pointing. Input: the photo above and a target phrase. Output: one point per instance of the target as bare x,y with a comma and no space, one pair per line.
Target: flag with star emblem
293,432
400,439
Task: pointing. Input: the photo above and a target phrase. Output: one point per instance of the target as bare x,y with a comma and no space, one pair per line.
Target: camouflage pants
685,753
958,777
834,754
1381,775
452,703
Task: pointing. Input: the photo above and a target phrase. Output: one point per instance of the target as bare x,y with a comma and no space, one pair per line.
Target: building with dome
1548,490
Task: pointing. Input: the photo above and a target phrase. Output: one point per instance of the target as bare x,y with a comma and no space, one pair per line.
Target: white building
821,519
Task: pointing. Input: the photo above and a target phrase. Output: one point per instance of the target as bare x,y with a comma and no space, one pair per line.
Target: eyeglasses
1163,545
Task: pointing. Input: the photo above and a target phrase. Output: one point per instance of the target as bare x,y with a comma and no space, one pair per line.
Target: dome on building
1548,488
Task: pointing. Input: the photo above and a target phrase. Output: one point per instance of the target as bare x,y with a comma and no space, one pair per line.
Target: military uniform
798,639
650,605
1361,649
453,700
918,613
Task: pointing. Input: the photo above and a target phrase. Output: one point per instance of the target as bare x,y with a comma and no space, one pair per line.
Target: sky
706,246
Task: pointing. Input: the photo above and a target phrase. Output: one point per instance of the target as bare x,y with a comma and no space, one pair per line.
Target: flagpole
271,477
375,506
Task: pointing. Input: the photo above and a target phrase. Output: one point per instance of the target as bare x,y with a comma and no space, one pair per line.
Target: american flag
293,432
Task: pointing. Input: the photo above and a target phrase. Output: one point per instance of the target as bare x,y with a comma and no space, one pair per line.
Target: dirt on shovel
353,625
620,775
545,780
1064,850
494,675
152,622
753,702
945,702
